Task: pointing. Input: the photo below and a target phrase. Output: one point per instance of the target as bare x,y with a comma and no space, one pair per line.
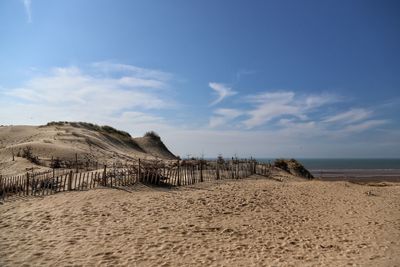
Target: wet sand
359,175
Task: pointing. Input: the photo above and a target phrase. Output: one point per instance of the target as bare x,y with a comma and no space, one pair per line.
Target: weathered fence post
179,175
27,183
71,173
217,170
201,170
76,162
138,172
1,187
104,182
113,175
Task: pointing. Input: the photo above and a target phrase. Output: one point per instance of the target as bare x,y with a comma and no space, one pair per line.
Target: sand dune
64,141
252,222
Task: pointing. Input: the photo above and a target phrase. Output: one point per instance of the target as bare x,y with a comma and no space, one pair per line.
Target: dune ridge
66,140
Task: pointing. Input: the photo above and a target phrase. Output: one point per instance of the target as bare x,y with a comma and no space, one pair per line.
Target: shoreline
359,175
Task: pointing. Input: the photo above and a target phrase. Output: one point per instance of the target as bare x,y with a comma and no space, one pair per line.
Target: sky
306,79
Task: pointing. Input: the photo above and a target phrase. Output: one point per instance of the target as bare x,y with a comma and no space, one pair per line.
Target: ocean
352,169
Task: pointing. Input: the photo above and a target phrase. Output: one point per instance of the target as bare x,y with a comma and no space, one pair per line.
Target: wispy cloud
222,90
222,116
350,116
109,68
316,101
271,123
72,85
288,113
363,126
28,10
271,105
73,93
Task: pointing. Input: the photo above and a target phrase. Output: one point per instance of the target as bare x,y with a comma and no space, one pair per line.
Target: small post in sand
70,181
217,170
105,175
201,170
27,184
138,171
179,176
76,162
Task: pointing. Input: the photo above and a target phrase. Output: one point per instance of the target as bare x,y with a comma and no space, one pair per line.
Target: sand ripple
253,222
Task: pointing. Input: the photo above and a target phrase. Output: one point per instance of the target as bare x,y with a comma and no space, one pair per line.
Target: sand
252,222
67,141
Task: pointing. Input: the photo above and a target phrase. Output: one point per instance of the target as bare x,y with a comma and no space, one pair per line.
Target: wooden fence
179,173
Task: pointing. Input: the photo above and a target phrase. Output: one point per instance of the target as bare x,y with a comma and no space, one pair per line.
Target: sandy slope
67,140
253,222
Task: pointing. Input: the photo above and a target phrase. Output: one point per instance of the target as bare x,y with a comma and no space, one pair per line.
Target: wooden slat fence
179,173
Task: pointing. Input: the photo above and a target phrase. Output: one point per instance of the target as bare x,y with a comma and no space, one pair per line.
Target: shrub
27,153
294,167
220,159
111,130
55,123
152,134
55,163
90,126
281,164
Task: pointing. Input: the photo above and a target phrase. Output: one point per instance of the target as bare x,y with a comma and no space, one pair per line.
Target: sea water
373,169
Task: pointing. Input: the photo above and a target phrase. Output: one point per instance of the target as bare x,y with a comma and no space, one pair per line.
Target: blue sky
252,78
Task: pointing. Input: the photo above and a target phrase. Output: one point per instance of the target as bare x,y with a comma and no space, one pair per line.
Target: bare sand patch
252,222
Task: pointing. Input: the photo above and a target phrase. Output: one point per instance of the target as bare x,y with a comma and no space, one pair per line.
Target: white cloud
73,87
294,113
289,115
295,125
222,116
271,105
222,90
363,126
139,82
281,97
108,67
316,101
350,116
129,98
27,5
122,100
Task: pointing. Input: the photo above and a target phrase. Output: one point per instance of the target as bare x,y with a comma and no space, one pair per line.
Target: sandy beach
251,222
199,133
